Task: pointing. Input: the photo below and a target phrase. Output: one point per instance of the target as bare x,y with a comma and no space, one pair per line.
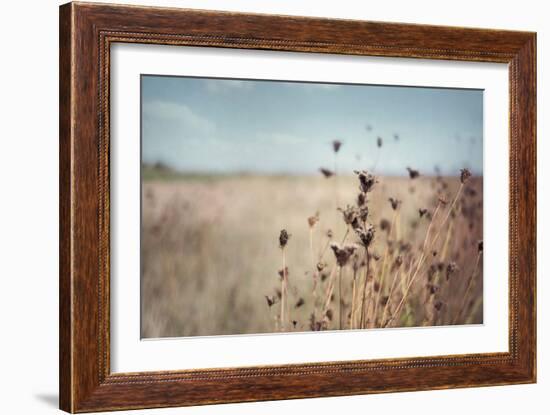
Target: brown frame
86,33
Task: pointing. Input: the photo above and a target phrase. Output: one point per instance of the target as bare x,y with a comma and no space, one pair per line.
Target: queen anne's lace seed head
284,236
366,180
465,174
343,252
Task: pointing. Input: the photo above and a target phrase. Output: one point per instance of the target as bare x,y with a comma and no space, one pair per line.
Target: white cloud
180,113
312,87
328,87
227,85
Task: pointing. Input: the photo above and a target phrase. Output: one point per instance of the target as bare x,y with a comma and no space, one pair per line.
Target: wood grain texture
65,138
86,33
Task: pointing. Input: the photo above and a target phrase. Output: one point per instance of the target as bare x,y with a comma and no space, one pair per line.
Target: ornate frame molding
86,33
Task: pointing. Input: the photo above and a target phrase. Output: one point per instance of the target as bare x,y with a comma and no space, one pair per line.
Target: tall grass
211,263
411,295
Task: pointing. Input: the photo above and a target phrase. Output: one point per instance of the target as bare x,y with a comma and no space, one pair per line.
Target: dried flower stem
398,228
477,305
400,304
345,235
418,266
445,248
468,289
449,232
340,302
428,231
455,199
314,271
329,290
423,255
336,180
384,264
352,313
283,291
364,299
322,254
389,297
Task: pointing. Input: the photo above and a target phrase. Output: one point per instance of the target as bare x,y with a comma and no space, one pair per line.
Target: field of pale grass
210,251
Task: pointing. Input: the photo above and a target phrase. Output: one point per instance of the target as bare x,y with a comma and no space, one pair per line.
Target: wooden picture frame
86,33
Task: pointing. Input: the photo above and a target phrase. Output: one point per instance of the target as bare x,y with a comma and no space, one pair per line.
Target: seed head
394,203
366,180
413,174
343,253
432,288
321,266
336,144
317,325
480,246
270,300
398,261
299,303
326,172
404,246
366,235
312,220
465,174
349,214
438,305
283,273
451,269
284,236
422,212
329,233
385,225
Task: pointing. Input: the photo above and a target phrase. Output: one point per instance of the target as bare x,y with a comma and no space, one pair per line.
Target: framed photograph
259,207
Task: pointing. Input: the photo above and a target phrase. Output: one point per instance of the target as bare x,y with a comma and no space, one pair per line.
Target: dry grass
211,255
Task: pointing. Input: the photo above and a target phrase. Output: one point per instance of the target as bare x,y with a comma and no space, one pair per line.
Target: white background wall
29,207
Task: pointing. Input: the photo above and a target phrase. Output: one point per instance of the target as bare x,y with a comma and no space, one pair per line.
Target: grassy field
210,252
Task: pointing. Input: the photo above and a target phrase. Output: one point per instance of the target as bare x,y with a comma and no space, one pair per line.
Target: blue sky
273,127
